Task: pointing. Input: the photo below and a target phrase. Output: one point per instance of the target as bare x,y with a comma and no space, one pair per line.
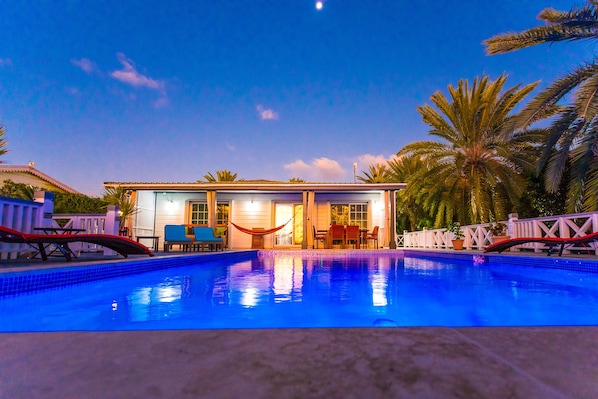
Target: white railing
18,215
25,216
478,237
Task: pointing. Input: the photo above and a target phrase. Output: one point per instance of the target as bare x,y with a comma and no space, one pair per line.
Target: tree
121,197
221,176
18,190
3,149
296,180
573,128
476,174
411,212
78,203
377,173
63,202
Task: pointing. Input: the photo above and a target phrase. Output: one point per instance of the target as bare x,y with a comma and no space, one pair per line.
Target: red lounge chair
551,242
122,245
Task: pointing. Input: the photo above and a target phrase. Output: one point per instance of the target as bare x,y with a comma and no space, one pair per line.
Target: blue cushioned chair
204,236
175,234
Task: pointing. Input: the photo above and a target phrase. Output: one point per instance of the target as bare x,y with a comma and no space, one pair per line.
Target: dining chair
321,236
372,236
337,233
352,236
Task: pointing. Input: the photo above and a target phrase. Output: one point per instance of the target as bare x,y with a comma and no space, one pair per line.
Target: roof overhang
40,175
260,187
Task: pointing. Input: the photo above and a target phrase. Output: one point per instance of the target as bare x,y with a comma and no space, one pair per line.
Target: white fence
25,216
91,224
478,237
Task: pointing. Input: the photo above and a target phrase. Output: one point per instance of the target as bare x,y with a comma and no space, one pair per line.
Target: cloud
129,75
320,169
162,102
73,91
84,63
5,62
364,161
266,113
231,147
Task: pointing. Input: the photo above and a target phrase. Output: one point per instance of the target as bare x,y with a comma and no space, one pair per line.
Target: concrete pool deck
498,362
537,362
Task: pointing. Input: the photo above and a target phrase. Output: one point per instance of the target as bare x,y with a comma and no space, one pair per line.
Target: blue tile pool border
13,283
18,282
589,265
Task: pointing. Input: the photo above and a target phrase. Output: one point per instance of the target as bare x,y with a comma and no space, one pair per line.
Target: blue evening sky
166,91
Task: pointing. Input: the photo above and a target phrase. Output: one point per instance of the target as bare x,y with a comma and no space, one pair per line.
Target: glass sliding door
292,233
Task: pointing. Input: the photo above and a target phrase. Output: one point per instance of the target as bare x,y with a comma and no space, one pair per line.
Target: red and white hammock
259,232
262,232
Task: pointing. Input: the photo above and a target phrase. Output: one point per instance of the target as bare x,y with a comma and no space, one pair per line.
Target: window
222,213
349,214
198,213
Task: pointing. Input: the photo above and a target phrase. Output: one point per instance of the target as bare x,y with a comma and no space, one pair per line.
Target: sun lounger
204,236
176,234
551,242
124,246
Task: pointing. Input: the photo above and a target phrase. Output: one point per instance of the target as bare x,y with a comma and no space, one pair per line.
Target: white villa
302,209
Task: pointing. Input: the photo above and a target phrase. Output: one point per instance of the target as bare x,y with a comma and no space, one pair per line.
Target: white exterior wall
249,210
143,220
248,214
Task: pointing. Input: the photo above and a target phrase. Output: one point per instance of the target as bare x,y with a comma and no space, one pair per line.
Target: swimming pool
292,289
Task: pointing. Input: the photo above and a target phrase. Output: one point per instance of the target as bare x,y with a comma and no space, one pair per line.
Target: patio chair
352,235
373,236
176,234
124,246
551,242
204,237
321,236
337,233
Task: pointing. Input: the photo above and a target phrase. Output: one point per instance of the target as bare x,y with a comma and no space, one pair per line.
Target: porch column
393,219
44,218
304,242
311,205
211,200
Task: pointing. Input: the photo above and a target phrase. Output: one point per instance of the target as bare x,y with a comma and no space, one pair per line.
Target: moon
319,5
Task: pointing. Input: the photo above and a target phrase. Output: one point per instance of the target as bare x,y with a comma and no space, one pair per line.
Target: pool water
290,291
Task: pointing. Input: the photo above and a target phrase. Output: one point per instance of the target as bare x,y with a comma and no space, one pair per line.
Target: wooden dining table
361,239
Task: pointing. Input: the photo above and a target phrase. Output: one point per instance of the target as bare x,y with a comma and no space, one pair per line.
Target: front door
292,233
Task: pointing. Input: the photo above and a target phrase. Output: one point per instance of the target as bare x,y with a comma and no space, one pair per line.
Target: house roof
30,175
258,185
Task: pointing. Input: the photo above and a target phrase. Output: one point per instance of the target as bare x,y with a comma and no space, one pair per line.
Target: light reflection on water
316,291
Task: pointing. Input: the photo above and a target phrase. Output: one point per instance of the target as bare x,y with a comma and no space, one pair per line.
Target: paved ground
536,362
303,363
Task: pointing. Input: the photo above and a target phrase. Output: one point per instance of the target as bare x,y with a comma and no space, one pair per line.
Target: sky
167,91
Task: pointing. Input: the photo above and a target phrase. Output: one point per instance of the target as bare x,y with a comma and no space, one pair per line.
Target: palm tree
476,174
3,149
221,176
377,173
573,129
121,197
411,213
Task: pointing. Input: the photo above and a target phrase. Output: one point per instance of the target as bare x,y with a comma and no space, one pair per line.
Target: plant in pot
498,232
458,235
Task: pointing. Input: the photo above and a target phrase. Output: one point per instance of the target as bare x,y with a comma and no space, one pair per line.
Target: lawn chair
176,234
124,246
204,237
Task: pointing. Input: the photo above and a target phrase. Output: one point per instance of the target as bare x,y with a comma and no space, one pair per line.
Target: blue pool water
318,291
